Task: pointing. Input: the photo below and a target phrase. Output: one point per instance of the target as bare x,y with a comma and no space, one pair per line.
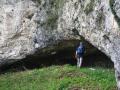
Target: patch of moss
53,12
53,9
111,2
100,20
39,1
52,20
89,7
76,5
57,4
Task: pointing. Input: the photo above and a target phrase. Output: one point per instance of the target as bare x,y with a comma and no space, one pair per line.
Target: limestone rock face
17,29
29,25
98,22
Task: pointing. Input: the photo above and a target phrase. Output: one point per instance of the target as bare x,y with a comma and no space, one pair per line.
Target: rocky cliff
26,26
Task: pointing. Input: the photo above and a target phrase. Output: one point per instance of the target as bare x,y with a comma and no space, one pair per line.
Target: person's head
81,43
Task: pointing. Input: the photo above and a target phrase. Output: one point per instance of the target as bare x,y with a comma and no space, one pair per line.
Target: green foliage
59,78
89,7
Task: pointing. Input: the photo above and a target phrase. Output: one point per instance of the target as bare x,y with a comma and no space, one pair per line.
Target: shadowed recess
60,54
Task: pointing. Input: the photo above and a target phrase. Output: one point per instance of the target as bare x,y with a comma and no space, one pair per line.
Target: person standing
79,54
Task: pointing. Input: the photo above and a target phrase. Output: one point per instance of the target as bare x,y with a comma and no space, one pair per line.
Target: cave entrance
60,54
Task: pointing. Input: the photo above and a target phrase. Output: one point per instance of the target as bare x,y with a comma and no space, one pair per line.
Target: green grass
59,78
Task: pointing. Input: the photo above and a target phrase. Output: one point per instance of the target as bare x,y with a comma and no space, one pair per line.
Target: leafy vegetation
59,78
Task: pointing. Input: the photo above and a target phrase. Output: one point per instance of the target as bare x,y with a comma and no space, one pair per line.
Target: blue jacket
80,50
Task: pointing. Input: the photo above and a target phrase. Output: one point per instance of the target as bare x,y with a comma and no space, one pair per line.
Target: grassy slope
59,78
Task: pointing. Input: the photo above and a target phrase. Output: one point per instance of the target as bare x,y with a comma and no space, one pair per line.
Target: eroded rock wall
17,28
98,22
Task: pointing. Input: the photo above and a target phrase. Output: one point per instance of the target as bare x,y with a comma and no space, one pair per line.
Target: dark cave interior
63,56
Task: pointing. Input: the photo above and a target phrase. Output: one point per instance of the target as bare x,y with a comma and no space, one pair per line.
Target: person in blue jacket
79,54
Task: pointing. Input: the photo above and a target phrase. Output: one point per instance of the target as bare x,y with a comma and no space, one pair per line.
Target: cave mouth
60,54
